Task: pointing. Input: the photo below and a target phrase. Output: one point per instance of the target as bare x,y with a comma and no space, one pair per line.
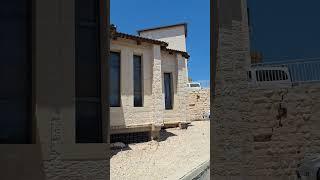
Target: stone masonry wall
230,105
258,133
230,109
155,63
56,168
182,86
157,86
230,126
281,142
176,65
198,104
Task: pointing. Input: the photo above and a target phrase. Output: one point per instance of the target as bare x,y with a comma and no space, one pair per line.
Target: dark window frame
30,134
119,97
169,107
137,103
101,46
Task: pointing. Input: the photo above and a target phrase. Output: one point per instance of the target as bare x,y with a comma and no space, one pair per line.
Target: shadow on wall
21,161
117,116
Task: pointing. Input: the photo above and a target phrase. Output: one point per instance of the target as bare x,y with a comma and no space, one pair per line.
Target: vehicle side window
270,75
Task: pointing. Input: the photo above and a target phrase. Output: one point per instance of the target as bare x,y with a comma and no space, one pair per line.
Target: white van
193,86
269,75
309,168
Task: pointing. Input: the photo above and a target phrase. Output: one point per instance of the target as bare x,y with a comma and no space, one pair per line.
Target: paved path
178,152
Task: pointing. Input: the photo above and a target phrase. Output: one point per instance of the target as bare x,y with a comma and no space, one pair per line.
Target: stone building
53,74
148,78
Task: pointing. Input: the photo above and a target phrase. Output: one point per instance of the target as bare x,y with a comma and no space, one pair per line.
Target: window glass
88,74
137,69
15,72
114,98
271,75
168,90
194,85
88,121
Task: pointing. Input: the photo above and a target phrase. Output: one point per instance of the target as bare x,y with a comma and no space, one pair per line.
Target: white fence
298,71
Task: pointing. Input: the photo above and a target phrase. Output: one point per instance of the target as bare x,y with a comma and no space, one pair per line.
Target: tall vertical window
115,70
15,72
88,73
137,81
168,90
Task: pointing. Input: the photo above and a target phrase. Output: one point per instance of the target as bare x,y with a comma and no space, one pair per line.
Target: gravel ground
177,153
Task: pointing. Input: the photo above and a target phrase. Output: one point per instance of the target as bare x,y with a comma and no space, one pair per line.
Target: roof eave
183,53
138,38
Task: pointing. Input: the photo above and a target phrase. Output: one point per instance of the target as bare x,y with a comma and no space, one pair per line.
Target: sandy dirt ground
177,153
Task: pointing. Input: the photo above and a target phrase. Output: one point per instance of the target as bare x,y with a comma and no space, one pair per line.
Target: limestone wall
175,36
279,142
257,132
127,114
231,149
198,104
155,63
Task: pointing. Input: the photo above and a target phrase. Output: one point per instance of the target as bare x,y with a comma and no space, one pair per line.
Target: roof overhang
114,35
184,54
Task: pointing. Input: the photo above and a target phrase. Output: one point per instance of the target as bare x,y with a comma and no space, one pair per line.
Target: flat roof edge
166,26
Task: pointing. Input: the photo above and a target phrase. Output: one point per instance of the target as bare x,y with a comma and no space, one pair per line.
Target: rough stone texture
181,87
176,153
157,86
56,168
252,138
198,104
292,136
231,135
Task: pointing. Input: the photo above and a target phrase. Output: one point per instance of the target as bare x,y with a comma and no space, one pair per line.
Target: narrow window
15,72
88,74
168,90
115,97
137,77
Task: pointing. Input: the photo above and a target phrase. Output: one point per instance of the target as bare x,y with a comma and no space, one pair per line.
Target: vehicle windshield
194,85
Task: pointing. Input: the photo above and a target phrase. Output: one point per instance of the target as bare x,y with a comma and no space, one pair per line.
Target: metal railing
300,71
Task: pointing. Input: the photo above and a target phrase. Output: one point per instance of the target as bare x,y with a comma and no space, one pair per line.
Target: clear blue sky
132,15
285,29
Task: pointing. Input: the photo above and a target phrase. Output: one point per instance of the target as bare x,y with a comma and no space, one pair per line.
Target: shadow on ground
116,151
164,135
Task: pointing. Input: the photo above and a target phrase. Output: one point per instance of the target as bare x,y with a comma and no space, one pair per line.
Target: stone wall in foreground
261,132
284,124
